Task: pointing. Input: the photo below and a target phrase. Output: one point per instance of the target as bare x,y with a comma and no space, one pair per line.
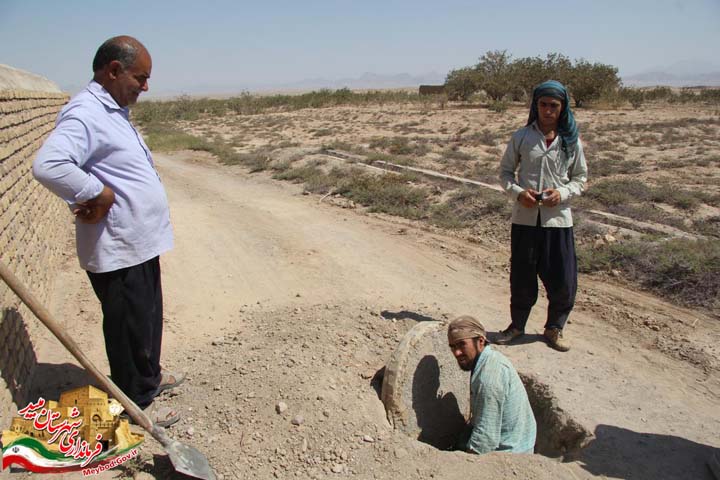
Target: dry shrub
468,206
687,271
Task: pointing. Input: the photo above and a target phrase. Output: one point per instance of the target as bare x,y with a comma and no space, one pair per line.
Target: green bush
625,191
163,137
399,146
468,206
634,96
684,270
460,84
392,194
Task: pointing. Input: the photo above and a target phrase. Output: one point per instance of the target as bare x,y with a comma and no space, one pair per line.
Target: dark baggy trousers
550,254
131,301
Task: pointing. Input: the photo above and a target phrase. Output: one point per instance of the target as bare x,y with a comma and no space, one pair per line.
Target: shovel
185,459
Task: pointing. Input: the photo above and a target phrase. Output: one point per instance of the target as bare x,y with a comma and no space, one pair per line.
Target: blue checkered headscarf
567,129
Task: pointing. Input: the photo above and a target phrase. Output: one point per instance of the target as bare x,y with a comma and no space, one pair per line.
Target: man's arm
508,166
58,167
577,173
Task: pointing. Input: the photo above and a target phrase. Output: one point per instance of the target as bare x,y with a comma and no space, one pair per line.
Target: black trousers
131,301
550,254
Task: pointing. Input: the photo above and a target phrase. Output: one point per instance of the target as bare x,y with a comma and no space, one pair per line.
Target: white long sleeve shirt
529,163
94,145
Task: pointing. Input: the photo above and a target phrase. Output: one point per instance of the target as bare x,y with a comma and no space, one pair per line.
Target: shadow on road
620,453
51,379
404,314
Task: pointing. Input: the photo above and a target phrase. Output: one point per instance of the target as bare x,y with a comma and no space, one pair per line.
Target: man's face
465,351
549,109
128,83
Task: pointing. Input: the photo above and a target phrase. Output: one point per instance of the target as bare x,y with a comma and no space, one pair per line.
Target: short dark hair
123,49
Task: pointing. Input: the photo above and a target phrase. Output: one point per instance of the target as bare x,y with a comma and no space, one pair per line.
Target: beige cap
464,327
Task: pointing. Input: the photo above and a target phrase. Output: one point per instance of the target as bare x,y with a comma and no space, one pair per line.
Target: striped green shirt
501,417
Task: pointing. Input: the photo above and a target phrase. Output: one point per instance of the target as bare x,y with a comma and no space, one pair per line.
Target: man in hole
501,419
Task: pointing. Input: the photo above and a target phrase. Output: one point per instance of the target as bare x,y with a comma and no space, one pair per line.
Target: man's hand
95,209
551,197
527,198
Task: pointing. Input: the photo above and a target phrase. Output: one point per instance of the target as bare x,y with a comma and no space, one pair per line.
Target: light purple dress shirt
94,144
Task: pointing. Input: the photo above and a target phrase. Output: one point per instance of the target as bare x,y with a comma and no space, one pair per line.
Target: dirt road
273,296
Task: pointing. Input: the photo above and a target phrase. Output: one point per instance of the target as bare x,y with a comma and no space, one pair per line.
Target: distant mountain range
368,81
647,79
680,74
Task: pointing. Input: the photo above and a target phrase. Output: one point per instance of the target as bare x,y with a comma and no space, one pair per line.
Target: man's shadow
621,453
437,413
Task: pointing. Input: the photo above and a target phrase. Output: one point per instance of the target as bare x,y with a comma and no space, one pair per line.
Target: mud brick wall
34,226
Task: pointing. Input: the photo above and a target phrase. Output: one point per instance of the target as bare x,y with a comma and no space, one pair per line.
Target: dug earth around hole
427,397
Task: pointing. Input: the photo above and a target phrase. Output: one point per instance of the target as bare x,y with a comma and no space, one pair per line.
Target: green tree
495,74
460,84
587,81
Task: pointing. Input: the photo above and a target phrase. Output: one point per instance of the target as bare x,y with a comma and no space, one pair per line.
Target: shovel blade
184,458
189,461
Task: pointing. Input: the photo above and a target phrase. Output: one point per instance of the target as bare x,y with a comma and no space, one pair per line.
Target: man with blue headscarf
542,169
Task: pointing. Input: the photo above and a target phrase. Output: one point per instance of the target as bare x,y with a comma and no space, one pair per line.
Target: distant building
431,89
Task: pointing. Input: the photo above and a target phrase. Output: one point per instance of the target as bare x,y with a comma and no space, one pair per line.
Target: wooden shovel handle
44,316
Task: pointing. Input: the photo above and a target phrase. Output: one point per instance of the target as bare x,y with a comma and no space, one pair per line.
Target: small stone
297,420
337,468
400,453
368,439
281,407
190,431
217,388
326,413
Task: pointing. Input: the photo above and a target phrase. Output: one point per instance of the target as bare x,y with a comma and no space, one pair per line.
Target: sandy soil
273,296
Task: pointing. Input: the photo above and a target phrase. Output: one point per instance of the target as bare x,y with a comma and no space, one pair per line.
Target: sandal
160,415
163,416
169,380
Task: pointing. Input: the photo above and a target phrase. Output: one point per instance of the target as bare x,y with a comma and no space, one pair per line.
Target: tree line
501,77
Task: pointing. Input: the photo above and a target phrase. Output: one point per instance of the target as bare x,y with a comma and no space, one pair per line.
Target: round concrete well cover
425,393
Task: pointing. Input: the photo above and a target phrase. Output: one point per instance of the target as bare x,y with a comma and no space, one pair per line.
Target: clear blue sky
200,44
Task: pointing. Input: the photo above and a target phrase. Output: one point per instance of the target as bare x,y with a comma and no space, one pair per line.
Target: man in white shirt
542,169
97,162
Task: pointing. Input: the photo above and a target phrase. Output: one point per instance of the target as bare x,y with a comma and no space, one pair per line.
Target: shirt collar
481,359
104,96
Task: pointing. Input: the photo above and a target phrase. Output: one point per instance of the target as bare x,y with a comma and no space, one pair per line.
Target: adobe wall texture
34,226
